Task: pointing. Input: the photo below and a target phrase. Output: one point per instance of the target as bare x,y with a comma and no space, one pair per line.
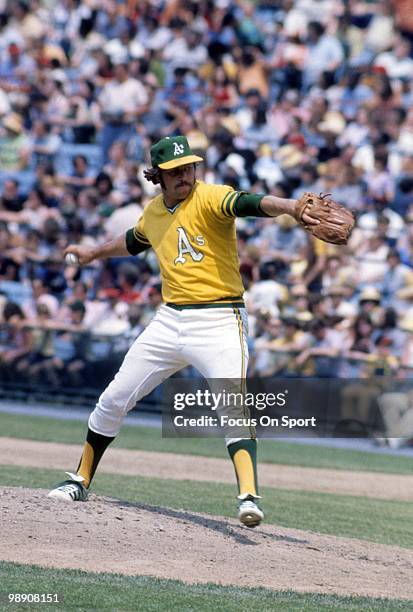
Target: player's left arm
319,215
261,205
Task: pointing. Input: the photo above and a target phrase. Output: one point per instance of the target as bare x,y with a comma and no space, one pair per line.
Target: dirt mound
110,535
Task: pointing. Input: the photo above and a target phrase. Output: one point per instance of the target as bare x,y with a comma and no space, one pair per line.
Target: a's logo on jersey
186,248
178,148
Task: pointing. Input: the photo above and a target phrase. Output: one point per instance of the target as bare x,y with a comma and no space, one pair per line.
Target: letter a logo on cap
178,148
171,152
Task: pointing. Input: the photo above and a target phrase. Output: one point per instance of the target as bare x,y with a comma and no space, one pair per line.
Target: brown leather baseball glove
336,221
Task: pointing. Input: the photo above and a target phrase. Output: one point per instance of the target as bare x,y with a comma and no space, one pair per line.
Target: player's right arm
131,243
87,254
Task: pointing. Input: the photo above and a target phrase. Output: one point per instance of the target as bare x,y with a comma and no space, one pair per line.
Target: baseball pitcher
202,322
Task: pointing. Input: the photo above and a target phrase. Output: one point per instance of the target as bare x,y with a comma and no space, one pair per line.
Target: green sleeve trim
134,244
141,237
229,205
249,205
228,196
242,204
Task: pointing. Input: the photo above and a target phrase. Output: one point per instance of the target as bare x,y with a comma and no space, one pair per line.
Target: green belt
235,304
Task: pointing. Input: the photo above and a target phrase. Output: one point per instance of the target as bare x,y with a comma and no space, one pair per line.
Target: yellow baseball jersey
195,244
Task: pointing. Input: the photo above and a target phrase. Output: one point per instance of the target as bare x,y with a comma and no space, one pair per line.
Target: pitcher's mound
110,535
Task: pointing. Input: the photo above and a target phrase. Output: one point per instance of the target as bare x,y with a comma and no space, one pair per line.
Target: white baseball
71,258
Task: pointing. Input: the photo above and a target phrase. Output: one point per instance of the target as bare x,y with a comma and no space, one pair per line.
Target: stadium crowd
278,96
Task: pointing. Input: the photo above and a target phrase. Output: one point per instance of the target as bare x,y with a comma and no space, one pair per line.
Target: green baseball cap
171,152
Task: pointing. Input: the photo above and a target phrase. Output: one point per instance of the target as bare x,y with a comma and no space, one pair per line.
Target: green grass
382,521
89,591
149,439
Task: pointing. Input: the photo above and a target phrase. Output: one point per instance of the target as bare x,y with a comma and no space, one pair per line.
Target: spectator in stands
325,345
338,304
222,90
109,22
57,105
40,294
331,274
15,343
87,211
382,362
105,194
116,167
122,101
405,242
397,62
11,199
370,303
279,347
82,175
9,267
125,291
252,72
325,54
136,327
152,303
42,344
43,143
268,329
372,261
83,78
35,212
283,243
15,66
397,277
379,181
388,326
14,144
357,346
70,342
266,293
299,305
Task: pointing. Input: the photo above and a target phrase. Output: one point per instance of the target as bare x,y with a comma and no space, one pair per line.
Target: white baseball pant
213,340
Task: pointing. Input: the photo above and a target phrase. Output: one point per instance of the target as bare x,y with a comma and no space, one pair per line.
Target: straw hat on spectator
333,122
95,41
299,290
231,124
290,156
265,150
370,294
304,317
285,221
406,293
406,323
14,123
336,290
237,163
197,140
